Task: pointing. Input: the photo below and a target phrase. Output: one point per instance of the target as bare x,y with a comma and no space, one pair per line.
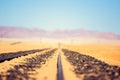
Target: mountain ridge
21,32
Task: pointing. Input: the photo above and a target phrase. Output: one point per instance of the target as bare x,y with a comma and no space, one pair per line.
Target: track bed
27,69
91,68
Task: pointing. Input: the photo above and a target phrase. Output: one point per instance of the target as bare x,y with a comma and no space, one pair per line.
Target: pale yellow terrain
16,61
48,71
110,53
68,69
5,46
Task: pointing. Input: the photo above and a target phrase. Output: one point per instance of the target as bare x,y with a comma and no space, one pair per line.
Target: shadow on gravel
91,68
27,70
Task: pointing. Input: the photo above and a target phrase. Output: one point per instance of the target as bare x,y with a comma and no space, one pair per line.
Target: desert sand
109,53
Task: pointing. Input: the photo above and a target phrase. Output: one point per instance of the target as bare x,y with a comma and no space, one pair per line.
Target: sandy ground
6,46
49,70
68,69
110,53
4,66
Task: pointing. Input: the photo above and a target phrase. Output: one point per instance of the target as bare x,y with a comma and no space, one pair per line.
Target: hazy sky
100,15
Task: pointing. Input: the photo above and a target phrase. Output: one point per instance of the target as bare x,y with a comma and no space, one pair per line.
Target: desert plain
47,68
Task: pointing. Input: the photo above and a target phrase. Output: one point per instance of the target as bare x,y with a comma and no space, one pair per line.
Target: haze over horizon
94,15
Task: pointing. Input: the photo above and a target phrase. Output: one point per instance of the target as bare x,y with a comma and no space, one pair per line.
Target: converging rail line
59,69
12,55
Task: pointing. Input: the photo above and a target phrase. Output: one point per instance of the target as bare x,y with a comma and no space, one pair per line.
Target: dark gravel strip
12,55
92,68
28,68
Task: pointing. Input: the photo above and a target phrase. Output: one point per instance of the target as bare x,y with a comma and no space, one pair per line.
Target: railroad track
90,67
59,69
26,69
12,55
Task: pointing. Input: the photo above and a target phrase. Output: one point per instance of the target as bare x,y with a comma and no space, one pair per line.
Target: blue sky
100,15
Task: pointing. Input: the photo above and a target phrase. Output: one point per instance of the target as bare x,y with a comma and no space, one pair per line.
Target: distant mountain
20,32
